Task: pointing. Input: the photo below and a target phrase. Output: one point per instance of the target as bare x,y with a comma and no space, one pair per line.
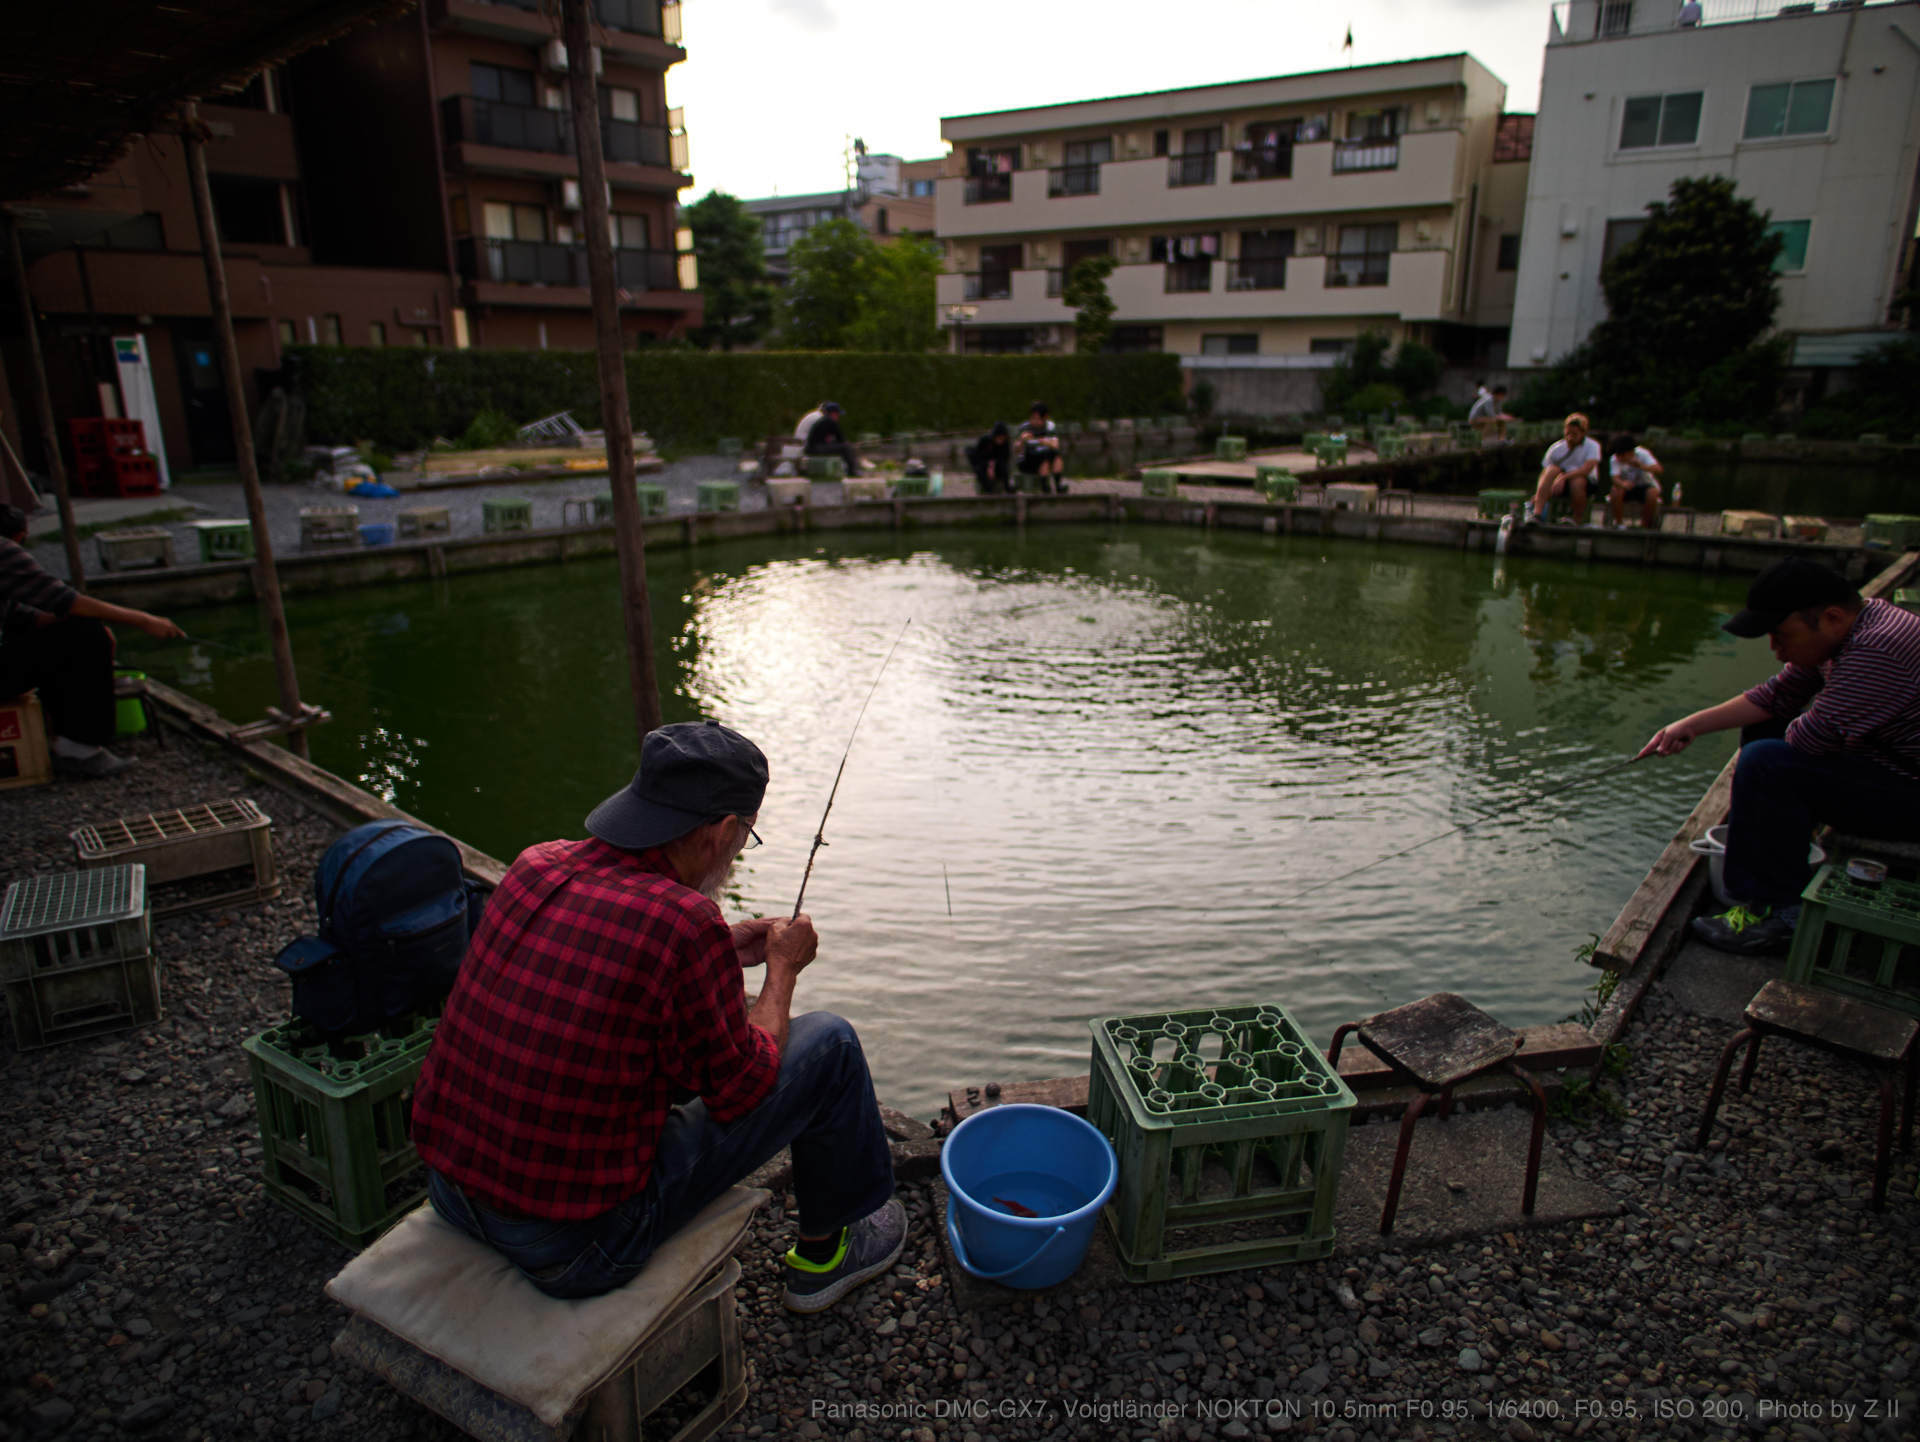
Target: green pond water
1121,751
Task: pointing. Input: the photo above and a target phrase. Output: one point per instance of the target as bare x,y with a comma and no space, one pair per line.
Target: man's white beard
713,885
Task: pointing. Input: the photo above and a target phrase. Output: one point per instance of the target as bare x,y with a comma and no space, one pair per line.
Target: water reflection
1125,751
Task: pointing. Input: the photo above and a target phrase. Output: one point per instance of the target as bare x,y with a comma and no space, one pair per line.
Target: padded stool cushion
457,1299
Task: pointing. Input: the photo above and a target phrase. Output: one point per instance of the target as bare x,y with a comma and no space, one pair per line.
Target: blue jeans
822,1105
1780,792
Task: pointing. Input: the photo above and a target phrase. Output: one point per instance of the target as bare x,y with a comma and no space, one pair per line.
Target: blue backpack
395,913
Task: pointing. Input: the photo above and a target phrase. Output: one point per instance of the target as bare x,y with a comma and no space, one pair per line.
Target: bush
403,397
1883,395
1372,399
488,429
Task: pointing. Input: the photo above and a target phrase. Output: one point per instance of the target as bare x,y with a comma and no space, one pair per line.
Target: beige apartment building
1263,223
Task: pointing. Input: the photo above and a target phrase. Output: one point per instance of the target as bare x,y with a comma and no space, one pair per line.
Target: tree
831,269
897,310
733,271
1086,292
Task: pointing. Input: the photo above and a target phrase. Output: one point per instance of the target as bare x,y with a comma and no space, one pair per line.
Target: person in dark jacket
52,640
827,439
992,460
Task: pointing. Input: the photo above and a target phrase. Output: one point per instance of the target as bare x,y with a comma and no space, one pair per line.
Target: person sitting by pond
53,640
1636,477
1834,737
1571,468
1489,415
991,458
598,1076
1040,450
825,438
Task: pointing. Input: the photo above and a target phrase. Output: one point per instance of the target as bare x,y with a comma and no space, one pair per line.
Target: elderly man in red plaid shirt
597,1077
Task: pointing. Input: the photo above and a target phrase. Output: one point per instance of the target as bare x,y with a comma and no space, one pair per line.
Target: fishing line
820,836
1526,800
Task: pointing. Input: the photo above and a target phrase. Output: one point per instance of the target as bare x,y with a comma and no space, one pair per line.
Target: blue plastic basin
1008,1160
376,533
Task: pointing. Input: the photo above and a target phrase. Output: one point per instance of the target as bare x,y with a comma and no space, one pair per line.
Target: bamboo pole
43,402
629,540
266,578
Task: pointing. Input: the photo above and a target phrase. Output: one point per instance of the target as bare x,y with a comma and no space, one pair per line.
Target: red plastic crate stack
110,458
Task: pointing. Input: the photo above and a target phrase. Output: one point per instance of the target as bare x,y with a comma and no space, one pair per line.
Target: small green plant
488,429
1580,1097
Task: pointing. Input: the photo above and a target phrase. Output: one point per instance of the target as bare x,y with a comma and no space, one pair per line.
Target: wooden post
629,540
266,578
43,402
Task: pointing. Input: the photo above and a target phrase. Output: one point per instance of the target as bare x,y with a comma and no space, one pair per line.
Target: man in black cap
597,1077
1834,737
826,438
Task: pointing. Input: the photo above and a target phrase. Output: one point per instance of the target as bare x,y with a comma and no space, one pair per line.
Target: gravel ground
146,1285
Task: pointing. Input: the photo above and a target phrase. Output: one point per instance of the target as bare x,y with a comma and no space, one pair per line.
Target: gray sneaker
102,763
872,1245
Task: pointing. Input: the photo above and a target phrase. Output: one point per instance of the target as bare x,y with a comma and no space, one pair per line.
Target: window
1162,141
1509,253
1075,251
247,211
880,221
1134,340
919,189
629,232
997,265
1263,260
1616,18
376,332
502,83
1796,107
1342,345
998,340
1620,235
1374,124
1651,120
990,174
1793,255
623,104
1080,172
329,330
1267,151
1230,345
142,232
1365,255
288,335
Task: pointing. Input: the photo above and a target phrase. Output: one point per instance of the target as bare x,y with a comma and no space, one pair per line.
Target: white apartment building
1257,222
1810,109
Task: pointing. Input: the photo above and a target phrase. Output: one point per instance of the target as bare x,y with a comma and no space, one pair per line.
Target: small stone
887,1328
146,1412
139,1327
1469,1360
50,1414
133,1076
1368,1332
1456,1187
1551,1341
328,1404
1432,1337
237,1105
320,1355
1377,1367
315,1390
1235,1428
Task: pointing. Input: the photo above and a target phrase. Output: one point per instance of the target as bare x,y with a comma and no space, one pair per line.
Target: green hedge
401,397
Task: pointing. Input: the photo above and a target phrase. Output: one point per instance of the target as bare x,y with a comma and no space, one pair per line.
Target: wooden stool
1436,1044
1391,497
1856,1031
582,504
452,1324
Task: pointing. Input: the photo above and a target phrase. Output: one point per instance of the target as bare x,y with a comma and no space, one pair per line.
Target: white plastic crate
188,844
75,957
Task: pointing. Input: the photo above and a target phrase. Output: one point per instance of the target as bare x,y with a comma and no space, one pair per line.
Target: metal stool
1435,1044
582,504
1391,497
1856,1031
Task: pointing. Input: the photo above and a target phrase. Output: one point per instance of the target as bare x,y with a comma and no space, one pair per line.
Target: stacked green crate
1894,532
717,496
1165,484
913,487
506,513
1495,503
1230,1129
825,468
1230,448
1277,484
1859,939
335,1125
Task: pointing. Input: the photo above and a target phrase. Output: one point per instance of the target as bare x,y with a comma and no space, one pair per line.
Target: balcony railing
1269,273
541,262
514,127
1345,271
639,16
1189,275
1073,180
1355,155
989,189
635,143
1056,282
1263,162
1191,169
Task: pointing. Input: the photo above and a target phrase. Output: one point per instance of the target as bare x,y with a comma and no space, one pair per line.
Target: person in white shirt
1636,477
1489,414
805,429
1571,468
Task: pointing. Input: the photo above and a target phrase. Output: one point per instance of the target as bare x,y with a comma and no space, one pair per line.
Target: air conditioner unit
569,194
553,55
1040,251
1423,233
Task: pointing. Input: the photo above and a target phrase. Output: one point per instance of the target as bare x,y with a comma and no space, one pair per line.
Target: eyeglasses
753,839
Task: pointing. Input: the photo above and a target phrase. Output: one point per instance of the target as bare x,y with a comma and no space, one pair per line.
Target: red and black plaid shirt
596,985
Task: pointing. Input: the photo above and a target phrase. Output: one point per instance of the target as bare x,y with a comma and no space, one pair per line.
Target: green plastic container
224,540
913,487
1497,503
1230,448
1230,1128
1895,532
1862,941
1165,484
824,468
653,501
130,712
1391,448
335,1126
1277,484
506,514
719,495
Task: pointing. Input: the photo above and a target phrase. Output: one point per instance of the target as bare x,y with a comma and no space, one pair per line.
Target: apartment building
1270,221
890,197
1809,109
413,182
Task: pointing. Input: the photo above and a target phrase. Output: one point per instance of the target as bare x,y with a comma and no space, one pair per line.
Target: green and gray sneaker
867,1248
1750,931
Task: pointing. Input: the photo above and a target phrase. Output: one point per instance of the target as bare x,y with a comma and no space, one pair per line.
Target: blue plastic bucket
377,533
1007,1161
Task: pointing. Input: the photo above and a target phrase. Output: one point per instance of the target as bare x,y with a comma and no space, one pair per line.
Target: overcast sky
772,88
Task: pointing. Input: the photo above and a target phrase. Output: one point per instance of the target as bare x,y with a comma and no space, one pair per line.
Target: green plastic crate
1332,451
653,501
1895,532
1230,1129
717,496
336,1125
729,446
913,487
506,514
1907,599
1312,441
224,540
1390,448
1872,438
1860,940
824,468
1277,483
1160,483
1748,438
1230,448
1497,503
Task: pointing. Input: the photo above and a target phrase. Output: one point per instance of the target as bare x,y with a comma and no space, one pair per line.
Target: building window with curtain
1364,256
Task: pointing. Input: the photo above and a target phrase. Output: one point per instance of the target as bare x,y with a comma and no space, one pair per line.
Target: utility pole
266,579
43,402
630,542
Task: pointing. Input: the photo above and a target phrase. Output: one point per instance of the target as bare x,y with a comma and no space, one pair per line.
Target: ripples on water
1122,751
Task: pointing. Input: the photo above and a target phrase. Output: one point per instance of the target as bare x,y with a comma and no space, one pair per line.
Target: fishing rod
820,836
1528,799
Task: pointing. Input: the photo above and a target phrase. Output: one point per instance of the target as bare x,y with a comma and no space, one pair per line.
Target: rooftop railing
1577,21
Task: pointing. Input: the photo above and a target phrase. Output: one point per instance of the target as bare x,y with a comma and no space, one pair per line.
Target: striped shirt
25,582
1865,701
595,989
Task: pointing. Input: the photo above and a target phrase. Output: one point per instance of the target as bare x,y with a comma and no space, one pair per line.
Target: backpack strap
340,876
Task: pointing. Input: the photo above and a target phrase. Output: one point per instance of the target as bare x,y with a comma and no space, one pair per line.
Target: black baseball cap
691,772
1795,584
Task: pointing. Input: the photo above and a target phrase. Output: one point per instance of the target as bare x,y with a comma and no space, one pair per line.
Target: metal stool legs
1530,1188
